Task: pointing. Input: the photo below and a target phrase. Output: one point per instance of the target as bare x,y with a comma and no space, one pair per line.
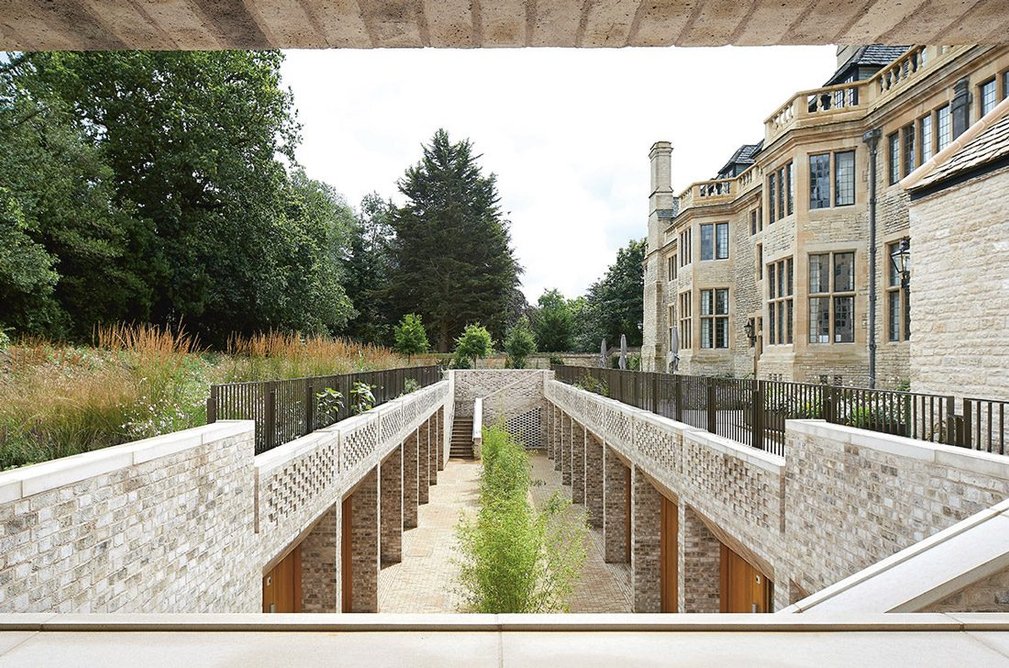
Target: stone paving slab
603,587
426,581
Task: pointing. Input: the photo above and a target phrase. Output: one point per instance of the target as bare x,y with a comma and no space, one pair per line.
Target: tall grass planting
139,381
515,558
278,355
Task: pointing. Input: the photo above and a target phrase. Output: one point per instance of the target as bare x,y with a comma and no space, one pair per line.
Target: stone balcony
852,101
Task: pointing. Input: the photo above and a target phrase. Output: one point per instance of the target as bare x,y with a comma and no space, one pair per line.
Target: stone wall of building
162,525
320,563
835,228
839,500
298,481
960,289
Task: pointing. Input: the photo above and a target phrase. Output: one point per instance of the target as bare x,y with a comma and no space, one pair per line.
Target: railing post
950,420
712,399
270,416
966,438
829,407
758,415
212,405
678,396
309,408
655,393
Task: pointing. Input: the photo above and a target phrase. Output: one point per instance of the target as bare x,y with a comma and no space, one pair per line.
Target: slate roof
990,146
744,155
870,55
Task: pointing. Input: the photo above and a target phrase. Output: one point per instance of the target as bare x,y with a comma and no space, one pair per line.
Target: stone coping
923,573
37,478
964,459
569,622
761,458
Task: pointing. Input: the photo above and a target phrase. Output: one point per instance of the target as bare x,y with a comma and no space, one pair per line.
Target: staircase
462,438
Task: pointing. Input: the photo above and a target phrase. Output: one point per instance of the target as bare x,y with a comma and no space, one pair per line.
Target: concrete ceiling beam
212,24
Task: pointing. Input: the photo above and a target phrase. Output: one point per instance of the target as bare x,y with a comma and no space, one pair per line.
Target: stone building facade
960,223
795,235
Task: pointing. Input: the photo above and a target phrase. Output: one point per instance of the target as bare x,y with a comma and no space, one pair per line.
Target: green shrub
517,559
411,338
361,398
410,385
474,343
593,384
328,404
520,344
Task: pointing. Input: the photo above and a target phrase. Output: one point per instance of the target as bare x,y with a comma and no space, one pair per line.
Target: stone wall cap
37,478
965,459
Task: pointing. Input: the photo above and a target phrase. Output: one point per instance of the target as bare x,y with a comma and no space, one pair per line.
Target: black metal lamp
750,333
901,259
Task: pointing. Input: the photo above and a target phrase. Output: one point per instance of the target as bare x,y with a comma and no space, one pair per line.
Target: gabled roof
744,155
984,146
870,55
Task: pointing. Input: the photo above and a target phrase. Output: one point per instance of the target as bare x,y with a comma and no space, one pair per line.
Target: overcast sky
566,131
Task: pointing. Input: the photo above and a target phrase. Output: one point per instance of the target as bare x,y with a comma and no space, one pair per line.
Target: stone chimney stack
661,194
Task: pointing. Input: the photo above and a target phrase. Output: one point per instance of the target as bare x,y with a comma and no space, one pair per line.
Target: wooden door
669,555
743,587
627,510
282,584
346,554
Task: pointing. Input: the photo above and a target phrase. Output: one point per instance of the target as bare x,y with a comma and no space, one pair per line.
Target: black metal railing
753,412
288,409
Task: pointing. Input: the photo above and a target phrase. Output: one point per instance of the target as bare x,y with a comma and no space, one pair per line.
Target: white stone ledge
644,623
964,459
30,480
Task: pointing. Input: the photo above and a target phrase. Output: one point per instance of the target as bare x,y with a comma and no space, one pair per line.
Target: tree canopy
162,186
553,323
614,304
452,251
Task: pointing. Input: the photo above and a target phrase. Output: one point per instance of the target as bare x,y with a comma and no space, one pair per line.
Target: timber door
743,587
347,554
282,584
669,555
627,510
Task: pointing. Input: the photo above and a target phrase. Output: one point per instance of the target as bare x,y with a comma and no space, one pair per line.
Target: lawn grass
140,381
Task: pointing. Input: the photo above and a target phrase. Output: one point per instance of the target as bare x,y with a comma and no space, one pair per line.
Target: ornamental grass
139,381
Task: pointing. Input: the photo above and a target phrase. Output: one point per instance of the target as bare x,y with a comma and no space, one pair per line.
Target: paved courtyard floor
603,587
426,581
427,578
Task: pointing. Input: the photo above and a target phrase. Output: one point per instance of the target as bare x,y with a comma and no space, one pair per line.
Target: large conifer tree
454,260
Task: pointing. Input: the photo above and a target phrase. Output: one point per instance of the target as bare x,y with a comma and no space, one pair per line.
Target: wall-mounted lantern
901,259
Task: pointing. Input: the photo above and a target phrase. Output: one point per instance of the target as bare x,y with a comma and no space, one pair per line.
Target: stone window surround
686,320
831,295
718,235
714,318
781,299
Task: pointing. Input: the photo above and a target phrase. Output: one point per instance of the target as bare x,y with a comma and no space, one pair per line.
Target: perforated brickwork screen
527,428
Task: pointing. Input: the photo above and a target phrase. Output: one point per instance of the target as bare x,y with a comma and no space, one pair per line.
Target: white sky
566,131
